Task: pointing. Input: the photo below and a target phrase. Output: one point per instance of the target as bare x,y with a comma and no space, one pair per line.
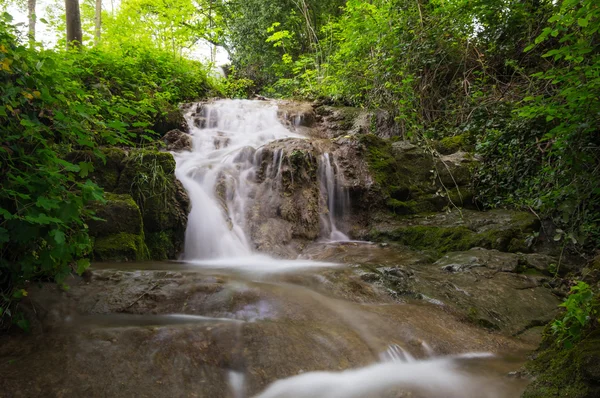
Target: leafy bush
43,113
52,103
579,313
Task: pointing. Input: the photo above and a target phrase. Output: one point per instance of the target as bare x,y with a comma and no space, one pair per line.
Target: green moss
120,213
161,245
561,372
409,207
120,247
437,240
507,236
381,161
449,145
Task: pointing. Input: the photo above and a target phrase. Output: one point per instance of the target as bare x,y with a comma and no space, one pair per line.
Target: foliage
579,313
546,157
43,113
51,104
518,78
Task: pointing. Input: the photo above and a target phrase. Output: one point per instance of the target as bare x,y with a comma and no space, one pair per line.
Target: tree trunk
98,31
74,33
31,16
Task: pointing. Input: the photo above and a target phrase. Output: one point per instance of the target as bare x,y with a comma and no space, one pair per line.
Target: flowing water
227,150
227,321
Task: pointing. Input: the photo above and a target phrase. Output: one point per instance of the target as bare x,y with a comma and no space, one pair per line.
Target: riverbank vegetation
54,102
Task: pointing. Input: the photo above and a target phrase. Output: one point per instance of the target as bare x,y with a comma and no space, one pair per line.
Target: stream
229,321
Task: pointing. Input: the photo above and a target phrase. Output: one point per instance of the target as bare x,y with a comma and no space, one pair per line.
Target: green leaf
85,169
43,219
67,165
82,265
583,22
59,236
46,203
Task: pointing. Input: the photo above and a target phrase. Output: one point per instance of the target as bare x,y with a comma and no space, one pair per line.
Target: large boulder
137,182
149,177
286,201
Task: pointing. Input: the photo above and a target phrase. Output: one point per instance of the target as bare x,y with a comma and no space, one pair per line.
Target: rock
504,230
296,114
177,140
287,198
120,237
566,372
478,257
148,175
121,214
172,119
450,145
120,246
412,180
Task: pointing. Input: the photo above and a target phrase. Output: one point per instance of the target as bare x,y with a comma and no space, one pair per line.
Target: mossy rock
438,240
162,245
121,214
440,233
171,119
450,145
405,175
148,175
120,247
562,372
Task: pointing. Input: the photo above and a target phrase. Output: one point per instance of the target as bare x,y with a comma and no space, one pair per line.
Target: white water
219,176
398,372
336,198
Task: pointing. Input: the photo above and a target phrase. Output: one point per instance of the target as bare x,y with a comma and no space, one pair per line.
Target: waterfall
336,197
221,175
218,173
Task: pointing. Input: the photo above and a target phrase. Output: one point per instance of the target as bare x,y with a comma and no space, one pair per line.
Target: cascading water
218,173
336,198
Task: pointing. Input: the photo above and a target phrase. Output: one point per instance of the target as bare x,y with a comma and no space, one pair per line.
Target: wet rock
478,257
296,114
504,230
177,140
288,192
